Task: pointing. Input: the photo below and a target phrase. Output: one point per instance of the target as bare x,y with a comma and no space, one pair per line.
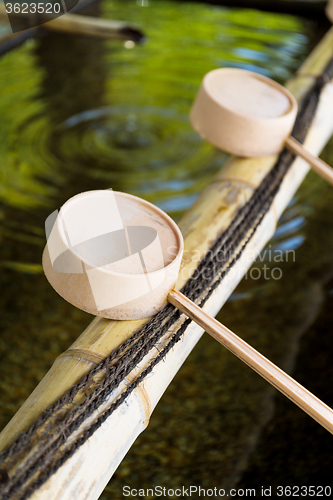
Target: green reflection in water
79,114
100,115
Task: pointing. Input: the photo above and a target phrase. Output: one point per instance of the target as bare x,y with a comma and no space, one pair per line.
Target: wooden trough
85,474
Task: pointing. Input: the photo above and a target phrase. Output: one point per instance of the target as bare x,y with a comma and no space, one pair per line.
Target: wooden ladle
118,256
248,114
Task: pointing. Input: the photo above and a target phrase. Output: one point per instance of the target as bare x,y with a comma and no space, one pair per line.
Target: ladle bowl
248,114
112,254
243,113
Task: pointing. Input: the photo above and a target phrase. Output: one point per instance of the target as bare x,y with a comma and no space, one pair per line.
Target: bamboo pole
81,25
101,28
212,213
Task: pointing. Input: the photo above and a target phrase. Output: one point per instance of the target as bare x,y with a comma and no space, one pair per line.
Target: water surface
79,114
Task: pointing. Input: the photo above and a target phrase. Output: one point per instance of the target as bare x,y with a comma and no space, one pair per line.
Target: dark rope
50,432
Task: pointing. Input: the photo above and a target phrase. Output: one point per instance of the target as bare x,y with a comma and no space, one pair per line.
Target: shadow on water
81,114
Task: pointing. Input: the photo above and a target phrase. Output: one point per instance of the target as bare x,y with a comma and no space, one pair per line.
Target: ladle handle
318,410
316,163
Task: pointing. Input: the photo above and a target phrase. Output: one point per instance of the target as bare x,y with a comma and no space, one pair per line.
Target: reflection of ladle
127,282
247,114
